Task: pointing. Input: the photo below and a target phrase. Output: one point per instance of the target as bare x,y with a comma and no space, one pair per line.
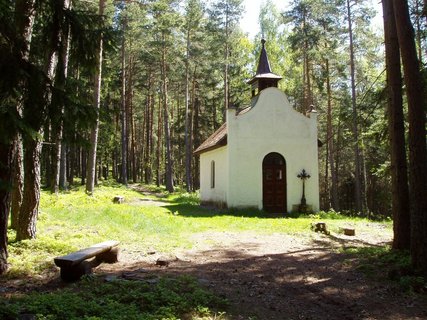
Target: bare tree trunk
58,125
124,142
399,175
131,123
24,21
337,160
418,34
32,145
30,206
91,163
32,151
417,135
197,140
63,167
169,173
18,184
159,145
226,60
188,179
83,162
357,171
72,165
7,154
148,132
330,143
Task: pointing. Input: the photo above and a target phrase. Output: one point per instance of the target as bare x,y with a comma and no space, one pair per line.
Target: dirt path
280,277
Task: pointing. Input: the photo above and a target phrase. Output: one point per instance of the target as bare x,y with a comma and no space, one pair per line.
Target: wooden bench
74,265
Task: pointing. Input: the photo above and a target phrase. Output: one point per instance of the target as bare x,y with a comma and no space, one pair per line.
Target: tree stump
348,231
119,199
319,227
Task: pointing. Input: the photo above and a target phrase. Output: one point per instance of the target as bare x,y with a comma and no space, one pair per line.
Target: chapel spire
263,78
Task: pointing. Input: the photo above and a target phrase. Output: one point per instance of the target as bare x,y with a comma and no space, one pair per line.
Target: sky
249,21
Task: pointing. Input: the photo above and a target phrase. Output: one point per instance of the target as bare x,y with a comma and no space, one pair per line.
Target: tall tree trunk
330,143
159,145
30,205
417,135
83,162
32,145
148,132
63,167
197,140
169,173
226,60
32,149
72,165
357,171
131,122
61,77
24,21
124,142
188,179
418,33
396,129
7,154
91,161
18,184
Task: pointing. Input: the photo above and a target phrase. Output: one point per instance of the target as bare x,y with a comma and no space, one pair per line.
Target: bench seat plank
78,256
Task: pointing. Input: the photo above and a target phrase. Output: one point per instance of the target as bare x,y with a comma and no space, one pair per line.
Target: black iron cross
303,176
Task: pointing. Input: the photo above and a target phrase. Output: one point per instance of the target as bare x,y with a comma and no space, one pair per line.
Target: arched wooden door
274,183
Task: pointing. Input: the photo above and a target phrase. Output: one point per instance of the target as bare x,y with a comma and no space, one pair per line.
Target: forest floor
281,276
263,275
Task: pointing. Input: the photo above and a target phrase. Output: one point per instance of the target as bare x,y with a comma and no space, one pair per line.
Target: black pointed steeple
263,63
263,78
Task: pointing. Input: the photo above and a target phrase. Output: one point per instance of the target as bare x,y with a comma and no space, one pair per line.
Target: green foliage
169,298
385,263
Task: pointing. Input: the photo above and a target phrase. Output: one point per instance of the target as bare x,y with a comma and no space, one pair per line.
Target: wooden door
274,183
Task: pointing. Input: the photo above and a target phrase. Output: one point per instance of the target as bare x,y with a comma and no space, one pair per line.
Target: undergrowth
93,298
387,264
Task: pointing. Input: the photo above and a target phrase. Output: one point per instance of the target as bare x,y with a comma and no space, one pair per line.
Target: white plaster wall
219,192
271,126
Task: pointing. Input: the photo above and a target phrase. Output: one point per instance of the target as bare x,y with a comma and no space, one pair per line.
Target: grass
92,298
74,220
383,263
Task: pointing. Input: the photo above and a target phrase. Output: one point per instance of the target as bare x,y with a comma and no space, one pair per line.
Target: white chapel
265,155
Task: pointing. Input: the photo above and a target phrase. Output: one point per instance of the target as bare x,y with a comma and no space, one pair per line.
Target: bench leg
109,256
74,273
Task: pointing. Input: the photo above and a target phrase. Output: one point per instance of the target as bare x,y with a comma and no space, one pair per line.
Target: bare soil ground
274,276
280,276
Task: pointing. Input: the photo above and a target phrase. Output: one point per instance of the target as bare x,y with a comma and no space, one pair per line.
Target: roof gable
216,140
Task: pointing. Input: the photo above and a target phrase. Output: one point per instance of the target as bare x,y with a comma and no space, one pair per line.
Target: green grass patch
93,298
73,220
387,264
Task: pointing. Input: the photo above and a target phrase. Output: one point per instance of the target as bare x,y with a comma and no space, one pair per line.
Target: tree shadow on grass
310,282
197,211
347,242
